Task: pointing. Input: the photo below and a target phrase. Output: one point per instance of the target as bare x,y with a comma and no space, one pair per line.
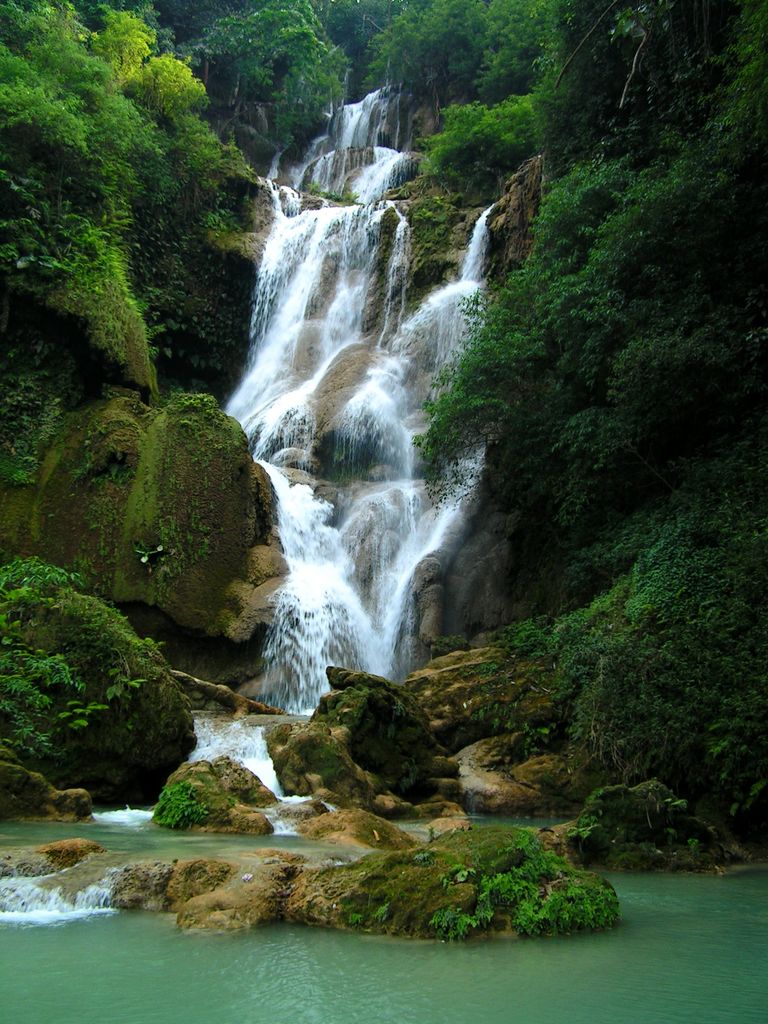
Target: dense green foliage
30,677
480,144
461,50
533,887
113,190
178,807
618,380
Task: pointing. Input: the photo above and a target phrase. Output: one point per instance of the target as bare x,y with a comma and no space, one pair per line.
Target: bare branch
570,60
635,63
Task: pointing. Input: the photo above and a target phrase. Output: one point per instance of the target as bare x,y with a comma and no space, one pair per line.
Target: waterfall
334,390
245,742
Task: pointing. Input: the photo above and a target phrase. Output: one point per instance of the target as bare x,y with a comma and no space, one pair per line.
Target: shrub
178,807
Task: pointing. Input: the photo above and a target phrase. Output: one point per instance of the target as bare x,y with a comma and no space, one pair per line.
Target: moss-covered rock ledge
464,884
158,508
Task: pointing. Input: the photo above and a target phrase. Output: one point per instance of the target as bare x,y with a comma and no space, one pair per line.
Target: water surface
689,949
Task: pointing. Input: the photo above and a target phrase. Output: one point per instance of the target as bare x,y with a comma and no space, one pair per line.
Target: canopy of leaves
480,144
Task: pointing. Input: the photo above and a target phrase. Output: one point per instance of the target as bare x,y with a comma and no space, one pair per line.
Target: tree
124,43
478,145
167,87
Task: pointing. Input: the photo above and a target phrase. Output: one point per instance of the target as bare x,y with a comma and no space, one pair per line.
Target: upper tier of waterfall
334,389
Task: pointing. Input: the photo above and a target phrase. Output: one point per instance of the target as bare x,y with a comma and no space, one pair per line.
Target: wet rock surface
229,795
28,794
368,745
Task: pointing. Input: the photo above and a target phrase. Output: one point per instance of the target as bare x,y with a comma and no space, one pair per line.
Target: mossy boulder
462,884
644,827
27,794
438,234
229,798
249,899
133,724
468,695
158,507
64,853
312,759
496,777
388,732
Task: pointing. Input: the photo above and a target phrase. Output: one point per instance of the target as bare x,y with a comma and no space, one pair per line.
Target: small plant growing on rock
451,923
178,807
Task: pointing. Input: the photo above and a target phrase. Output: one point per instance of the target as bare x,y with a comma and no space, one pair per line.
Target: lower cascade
244,742
332,398
31,901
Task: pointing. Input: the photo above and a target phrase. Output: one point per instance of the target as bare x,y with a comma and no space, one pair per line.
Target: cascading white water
246,743
239,739
31,901
335,386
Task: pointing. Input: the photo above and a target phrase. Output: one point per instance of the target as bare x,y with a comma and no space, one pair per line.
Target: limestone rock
27,794
231,795
160,508
436,890
64,853
468,695
359,828
190,878
312,759
442,826
511,219
496,780
141,886
388,733
249,899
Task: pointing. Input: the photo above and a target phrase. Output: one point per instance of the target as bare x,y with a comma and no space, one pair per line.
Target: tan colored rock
191,878
441,826
65,852
249,899
468,695
247,820
387,805
511,220
359,828
542,785
437,809
142,886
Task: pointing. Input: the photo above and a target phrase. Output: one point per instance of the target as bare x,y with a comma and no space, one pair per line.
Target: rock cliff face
164,512
511,220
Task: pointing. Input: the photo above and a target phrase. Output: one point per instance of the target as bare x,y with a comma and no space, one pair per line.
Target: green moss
130,723
433,219
121,478
472,882
388,732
